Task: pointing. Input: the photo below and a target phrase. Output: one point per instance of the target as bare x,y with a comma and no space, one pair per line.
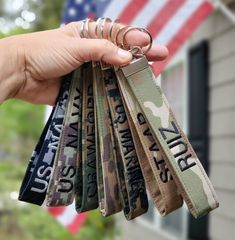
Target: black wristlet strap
34,186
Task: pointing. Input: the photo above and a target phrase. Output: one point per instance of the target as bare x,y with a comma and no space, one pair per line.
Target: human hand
32,64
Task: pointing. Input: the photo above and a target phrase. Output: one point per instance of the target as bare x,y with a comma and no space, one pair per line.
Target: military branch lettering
61,187
158,178
110,137
137,202
35,183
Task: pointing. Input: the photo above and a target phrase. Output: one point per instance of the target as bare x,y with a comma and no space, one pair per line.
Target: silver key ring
149,46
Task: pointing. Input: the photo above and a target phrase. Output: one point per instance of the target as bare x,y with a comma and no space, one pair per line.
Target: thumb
101,49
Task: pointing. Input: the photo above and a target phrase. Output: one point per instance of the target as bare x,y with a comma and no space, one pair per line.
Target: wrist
11,67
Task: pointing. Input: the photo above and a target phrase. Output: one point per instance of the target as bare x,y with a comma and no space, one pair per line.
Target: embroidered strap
89,195
61,186
186,169
38,173
108,188
136,202
158,178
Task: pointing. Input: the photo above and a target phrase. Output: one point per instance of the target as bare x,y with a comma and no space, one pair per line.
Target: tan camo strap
187,171
158,178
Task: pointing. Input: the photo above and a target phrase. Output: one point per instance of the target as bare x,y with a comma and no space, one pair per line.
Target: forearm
11,67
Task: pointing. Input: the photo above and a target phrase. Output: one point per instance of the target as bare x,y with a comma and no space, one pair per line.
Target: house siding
220,33
133,230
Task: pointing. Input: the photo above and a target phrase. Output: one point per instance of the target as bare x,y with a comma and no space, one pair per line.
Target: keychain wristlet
111,137
61,186
188,173
34,188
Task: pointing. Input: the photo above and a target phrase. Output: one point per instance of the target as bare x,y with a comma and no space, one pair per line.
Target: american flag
170,22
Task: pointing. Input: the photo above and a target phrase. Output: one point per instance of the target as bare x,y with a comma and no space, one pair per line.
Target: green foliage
21,118
49,14
21,124
98,227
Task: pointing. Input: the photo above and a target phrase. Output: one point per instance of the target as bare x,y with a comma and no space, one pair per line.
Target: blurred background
199,81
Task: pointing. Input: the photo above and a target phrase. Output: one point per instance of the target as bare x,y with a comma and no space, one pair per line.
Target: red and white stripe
68,217
170,22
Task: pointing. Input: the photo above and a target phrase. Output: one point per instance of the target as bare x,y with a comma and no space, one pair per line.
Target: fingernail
123,54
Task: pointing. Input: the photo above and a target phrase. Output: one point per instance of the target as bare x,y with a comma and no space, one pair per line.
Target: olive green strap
89,198
187,171
158,178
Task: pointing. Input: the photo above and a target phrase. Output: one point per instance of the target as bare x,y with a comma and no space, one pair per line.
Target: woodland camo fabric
107,179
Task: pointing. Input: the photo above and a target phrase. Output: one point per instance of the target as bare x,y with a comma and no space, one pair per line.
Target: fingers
157,53
101,49
108,51
132,38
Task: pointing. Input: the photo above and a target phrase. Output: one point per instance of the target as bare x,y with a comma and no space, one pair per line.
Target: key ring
81,30
149,46
136,51
97,24
106,20
115,37
86,28
110,32
126,30
100,25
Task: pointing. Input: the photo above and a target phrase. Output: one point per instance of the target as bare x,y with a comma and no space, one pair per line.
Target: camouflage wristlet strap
35,183
158,179
78,188
137,202
187,171
61,186
89,198
107,181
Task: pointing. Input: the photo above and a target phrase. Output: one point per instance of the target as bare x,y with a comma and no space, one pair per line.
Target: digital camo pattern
88,198
38,173
61,186
108,188
158,178
137,197
188,173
